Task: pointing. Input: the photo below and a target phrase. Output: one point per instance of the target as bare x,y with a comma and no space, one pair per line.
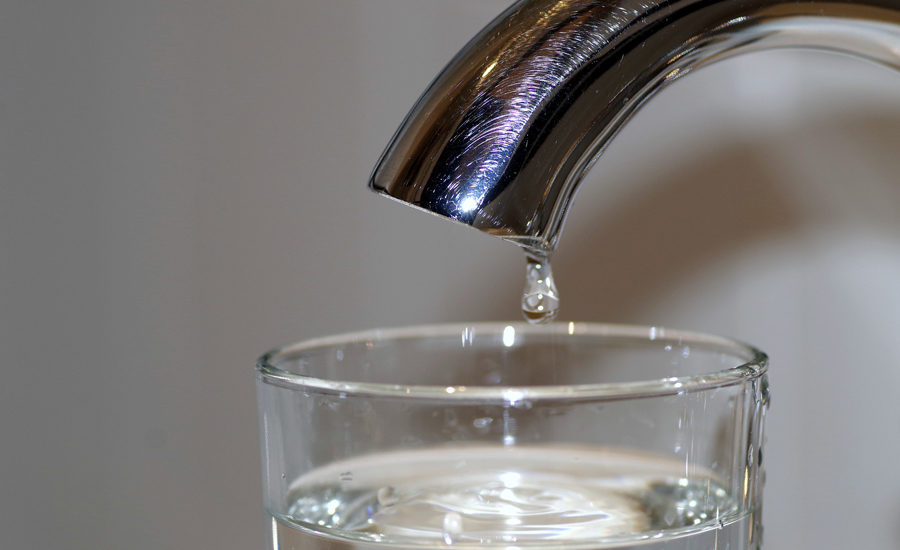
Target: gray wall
182,187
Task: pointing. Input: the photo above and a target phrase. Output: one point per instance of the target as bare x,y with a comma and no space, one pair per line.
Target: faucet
502,137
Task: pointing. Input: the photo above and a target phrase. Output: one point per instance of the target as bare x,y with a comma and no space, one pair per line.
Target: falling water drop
451,527
540,299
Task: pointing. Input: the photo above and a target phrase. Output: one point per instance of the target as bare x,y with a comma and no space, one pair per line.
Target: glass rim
753,368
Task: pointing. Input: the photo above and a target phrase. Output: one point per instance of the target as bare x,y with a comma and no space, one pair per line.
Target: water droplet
387,497
451,527
540,299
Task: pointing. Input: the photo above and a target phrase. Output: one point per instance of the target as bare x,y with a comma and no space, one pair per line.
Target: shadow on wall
712,205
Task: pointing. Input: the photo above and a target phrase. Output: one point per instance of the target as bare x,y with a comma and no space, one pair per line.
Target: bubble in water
451,527
540,299
482,423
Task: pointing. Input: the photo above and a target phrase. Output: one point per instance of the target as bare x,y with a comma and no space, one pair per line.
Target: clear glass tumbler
514,436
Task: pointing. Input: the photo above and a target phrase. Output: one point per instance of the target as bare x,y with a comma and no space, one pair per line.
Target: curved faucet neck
503,136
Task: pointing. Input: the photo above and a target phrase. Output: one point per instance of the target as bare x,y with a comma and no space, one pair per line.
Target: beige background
182,187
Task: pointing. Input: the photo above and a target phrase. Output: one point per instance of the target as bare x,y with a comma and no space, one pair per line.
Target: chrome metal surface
502,137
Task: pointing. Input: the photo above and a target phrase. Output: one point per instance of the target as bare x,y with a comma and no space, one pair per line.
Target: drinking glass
511,436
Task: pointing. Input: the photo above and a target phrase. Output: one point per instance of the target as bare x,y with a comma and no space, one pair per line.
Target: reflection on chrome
502,137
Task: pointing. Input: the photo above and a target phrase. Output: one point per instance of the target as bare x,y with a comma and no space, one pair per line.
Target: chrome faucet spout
502,137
